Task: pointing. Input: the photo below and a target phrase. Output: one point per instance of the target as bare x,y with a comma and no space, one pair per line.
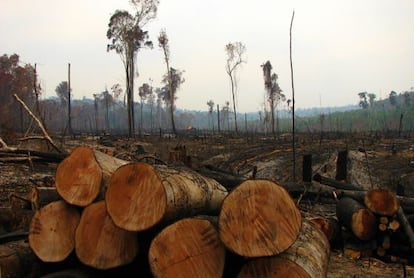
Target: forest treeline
106,113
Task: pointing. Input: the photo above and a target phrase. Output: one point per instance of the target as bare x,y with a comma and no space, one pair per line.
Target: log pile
373,225
170,221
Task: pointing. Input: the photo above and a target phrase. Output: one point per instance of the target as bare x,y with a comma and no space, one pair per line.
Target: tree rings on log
52,231
259,218
187,248
139,195
81,176
382,201
99,243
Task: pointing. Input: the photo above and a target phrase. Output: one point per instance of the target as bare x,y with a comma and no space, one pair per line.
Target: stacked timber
170,221
374,224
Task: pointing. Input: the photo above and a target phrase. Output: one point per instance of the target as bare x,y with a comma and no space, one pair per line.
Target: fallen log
99,243
14,219
227,179
140,196
42,195
357,218
83,175
259,218
381,201
18,260
187,248
330,227
335,183
307,257
52,231
406,226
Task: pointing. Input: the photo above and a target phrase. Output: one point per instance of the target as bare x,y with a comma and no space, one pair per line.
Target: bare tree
144,91
210,105
235,52
127,37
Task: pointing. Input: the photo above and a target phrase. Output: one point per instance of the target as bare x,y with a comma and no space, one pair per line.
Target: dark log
259,218
18,260
14,219
41,196
187,248
227,179
357,218
140,196
334,183
406,226
43,156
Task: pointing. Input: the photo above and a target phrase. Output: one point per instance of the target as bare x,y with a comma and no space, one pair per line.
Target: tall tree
144,91
234,52
173,80
126,38
210,105
63,92
363,102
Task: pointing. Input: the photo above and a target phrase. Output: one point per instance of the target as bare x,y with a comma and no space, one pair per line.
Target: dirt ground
371,164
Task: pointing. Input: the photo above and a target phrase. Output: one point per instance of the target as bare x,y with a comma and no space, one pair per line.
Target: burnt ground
372,163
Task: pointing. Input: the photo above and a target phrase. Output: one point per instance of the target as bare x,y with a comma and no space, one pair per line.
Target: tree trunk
307,257
382,202
99,243
357,218
187,248
81,177
259,218
140,195
52,231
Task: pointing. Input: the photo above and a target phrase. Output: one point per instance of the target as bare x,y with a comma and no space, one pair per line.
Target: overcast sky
340,48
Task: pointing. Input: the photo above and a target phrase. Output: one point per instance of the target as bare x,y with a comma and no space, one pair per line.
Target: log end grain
259,218
52,231
187,248
79,177
364,224
382,201
99,243
136,198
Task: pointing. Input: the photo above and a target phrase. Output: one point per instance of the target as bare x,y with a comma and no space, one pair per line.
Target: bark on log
82,176
329,226
140,196
187,248
357,218
41,196
335,183
14,219
406,226
259,218
52,231
18,260
99,243
382,201
307,257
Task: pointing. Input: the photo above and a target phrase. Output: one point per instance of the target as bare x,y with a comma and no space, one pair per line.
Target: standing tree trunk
52,231
259,218
140,195
82,176
100,243
187,248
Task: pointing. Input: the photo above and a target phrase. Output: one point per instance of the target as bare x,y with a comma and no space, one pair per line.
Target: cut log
99,243
406,226
187,248
18,260
307,257
52,231
140,196
329,226
82,176
42,195
357,218
14,219
259,218
382,201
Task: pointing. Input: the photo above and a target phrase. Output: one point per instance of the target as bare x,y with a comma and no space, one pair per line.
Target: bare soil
372,163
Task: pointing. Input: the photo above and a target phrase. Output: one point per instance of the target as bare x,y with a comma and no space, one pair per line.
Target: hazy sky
340,48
